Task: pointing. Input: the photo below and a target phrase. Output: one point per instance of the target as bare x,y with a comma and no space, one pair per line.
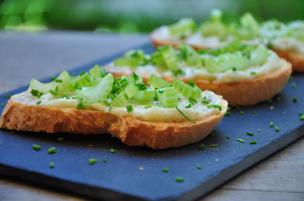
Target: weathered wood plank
241,195
282,172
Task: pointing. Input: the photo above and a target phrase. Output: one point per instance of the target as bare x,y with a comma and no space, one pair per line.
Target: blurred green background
130,16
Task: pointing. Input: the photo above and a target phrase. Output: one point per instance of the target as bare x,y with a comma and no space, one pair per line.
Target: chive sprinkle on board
113,151
36,147
301,116
250,134
240,140
52,165
253,142
92,161
179,179
165,170
52,150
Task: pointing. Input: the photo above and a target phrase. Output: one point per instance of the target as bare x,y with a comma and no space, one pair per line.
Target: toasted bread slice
296,59
130,130
252,91
245,92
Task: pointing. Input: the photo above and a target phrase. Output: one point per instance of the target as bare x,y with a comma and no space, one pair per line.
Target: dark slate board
136,173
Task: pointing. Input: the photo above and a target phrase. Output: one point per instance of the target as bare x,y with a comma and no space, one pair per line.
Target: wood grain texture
24,56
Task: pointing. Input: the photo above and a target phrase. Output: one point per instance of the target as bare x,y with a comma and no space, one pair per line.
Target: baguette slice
130,130
245,92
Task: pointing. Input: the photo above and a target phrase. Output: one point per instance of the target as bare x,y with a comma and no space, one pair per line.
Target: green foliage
129,16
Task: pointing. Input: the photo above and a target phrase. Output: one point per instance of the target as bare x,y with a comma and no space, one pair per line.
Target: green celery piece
168,97
259,55
97,93
120,100
190,56
183,28
131,59
130,89
96,72
165,57
157,82
187,90
144,95
170,58
61,84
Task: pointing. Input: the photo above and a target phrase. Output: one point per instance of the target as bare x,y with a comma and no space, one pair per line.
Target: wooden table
26,56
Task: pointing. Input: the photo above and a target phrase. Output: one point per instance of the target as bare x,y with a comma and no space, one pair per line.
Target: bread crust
296,59
251,91
244,92
130,130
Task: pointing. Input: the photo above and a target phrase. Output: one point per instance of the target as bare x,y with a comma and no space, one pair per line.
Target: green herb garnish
187,118
301,116
36,147
250,134
92,161
52,165
253,142
240,140
52,150
129,108
36,93
165,170
113,151
179,179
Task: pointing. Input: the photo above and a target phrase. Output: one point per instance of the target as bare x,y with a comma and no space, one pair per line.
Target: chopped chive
199,167
271,124
52,150
36,147
213,145
189,105
254,113
129,108
242,112
165,170
301,116
51,165
80,105
92,161
219,107
36,93
201,146
187,118
293,85
250,134
294,100
113,151
240,140
259,130
277,129
253,142
179,179
38,102
228,113
227,137
253,73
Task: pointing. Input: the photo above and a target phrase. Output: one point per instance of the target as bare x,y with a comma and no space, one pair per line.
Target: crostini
285,39
243,74
158,115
